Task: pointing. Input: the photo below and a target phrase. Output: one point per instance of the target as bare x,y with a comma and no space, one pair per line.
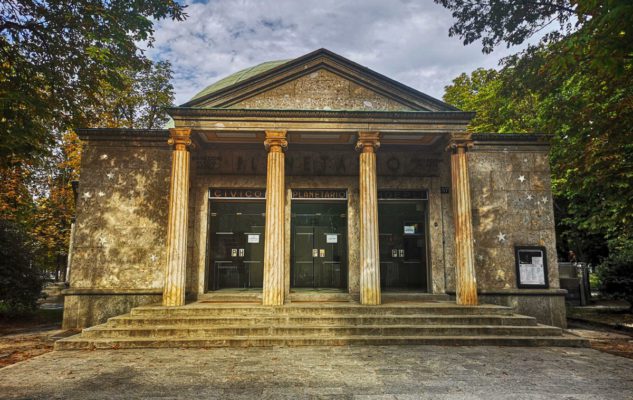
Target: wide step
559,341
341,320
318,324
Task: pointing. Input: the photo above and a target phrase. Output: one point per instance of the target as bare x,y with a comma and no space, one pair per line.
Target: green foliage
20,280
615,275
140,102
577,84
56,55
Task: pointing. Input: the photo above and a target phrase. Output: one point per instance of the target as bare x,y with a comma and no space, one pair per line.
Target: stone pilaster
273,294
175,271
465,277
367,144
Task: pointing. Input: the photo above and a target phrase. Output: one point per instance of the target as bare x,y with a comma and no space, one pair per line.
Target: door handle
241,252
322,251
315,252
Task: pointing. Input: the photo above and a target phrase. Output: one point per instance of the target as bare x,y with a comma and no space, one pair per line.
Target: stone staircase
202,325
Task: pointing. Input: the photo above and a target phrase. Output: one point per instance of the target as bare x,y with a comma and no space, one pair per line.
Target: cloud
405,40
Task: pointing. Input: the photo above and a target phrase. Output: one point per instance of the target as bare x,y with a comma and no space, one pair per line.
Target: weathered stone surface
515,209
88,310
320,90
119,238
342,372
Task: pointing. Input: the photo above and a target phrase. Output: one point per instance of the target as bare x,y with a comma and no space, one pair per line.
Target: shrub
615,274
20,280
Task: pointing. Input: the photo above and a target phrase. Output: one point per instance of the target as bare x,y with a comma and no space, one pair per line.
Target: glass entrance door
402,241
319,244
236,237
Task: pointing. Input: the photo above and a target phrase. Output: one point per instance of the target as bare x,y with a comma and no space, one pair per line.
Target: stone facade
119,237
137,227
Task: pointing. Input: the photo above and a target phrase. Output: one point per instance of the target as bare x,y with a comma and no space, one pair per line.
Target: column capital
368,141
275,141
180,138
459,141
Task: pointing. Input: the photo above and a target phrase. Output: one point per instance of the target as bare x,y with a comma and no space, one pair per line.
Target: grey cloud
405,40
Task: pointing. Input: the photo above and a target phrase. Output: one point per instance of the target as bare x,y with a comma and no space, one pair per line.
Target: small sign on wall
253,238
331,238
531,266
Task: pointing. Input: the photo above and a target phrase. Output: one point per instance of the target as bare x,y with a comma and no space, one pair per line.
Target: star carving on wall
87,195
501,237
544,200
102,241
101,194
153,257
530,197
103,157
522,178
110,175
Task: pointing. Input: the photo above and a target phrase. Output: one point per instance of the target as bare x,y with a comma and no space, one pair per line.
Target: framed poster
531,265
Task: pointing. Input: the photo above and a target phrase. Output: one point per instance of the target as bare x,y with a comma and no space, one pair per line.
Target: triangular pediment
320,80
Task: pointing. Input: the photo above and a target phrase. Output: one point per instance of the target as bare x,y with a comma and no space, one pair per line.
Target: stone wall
119,240
512,206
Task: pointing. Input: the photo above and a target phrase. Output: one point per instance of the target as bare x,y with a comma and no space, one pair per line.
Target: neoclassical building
312,179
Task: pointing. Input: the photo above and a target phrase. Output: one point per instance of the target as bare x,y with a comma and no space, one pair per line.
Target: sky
406,40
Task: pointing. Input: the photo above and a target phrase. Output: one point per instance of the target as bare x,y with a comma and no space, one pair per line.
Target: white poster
331,238
253,238
534,273
409,229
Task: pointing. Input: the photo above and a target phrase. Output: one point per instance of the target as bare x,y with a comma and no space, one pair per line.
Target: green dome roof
238,77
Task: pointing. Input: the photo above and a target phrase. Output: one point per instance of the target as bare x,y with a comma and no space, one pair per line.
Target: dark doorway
319,244
236,237
402,241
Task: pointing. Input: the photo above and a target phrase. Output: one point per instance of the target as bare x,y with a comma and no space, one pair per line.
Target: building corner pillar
274,246
367,144
176,269
465,276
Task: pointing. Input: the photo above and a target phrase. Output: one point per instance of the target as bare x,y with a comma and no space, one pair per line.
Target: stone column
465,277
175,273
274,250
367,144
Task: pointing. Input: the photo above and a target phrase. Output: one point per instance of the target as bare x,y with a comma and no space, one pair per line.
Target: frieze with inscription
306,163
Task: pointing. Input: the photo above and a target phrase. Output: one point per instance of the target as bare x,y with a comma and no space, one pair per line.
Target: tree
577,84
54,57
140,102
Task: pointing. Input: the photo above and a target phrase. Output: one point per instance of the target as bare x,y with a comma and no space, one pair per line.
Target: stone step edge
323,306
103,328
319,316
324,312
565,340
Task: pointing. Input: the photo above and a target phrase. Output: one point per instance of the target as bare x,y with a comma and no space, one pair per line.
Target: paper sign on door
253,238
409,229
331,238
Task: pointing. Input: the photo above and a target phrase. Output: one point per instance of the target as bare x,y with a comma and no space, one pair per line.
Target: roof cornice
330,114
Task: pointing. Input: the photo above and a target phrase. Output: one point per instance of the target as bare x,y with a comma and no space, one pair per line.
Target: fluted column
367,144
175,271
273,294
465,277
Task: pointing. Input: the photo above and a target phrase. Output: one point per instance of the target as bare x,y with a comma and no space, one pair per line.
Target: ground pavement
382,372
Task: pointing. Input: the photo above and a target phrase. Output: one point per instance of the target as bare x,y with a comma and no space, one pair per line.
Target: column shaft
466,281
175,272
274,248
369,251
